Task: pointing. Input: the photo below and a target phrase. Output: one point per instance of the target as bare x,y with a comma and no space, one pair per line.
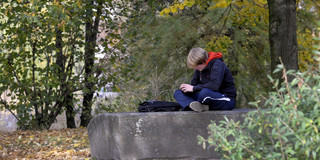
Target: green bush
287,129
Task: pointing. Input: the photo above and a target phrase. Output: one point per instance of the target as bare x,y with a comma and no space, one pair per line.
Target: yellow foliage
176,6
6,12
238,3
259,2
246,3
79,3
181,6
222,4
306,56
173,9
219,44
166,11
190,3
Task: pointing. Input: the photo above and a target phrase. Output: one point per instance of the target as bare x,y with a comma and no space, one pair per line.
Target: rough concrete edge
93,122
227,112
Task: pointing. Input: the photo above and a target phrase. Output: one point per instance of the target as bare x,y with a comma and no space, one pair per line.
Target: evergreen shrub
287,129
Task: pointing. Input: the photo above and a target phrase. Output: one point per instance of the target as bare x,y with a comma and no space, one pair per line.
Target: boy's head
197,56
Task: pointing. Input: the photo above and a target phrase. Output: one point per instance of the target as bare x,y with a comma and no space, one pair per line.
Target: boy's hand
186,88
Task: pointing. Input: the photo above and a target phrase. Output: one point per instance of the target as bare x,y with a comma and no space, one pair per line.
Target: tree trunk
283,34
66,98
70,112
91,41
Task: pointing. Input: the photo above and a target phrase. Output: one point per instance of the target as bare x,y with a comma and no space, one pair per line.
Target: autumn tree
48,54
39,57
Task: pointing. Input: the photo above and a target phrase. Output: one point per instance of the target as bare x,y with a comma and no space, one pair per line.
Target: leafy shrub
287,129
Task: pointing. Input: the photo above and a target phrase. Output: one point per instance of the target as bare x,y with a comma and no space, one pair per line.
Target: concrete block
154,135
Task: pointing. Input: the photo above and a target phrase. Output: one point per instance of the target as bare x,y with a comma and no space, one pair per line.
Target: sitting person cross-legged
212,86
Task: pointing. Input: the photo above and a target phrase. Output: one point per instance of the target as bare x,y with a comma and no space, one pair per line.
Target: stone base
154,135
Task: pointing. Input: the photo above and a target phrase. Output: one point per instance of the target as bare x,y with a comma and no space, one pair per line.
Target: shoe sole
198,107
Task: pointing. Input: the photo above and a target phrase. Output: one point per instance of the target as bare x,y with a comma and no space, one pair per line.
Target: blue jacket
215,76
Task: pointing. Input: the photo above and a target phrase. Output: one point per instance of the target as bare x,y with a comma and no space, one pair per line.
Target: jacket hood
213,55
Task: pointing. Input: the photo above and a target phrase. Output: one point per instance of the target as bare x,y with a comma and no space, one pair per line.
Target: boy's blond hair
196,57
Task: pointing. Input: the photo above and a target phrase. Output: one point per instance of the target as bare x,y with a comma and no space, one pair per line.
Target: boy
212,86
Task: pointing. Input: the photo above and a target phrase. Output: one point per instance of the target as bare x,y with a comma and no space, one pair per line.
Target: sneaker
198,107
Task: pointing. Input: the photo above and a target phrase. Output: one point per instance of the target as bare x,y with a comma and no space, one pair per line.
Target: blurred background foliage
140,47
157,46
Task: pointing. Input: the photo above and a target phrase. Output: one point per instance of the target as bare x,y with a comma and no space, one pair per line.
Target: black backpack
158,106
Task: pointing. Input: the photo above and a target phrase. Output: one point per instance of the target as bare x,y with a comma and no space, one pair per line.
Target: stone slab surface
154,135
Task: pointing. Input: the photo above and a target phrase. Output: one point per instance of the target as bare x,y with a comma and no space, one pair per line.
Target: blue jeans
215,100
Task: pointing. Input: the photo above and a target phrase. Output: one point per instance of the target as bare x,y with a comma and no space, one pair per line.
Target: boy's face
200,67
